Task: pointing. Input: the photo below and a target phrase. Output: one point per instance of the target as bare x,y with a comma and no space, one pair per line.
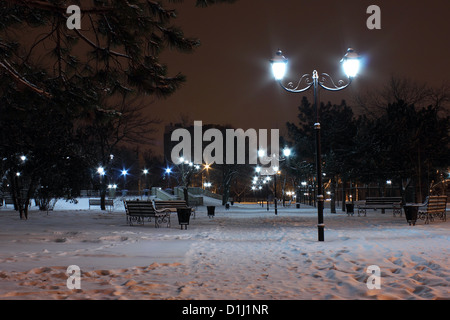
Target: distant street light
351,64
207,184
112,190
145,172
286,152
275,191
124,173
101,171
206,167
275,169
168,171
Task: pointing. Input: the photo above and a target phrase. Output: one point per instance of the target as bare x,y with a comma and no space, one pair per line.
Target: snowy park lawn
244,253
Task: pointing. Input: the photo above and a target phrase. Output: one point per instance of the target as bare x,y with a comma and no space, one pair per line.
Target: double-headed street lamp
350,63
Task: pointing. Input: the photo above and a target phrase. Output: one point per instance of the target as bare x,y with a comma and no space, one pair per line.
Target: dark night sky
229,79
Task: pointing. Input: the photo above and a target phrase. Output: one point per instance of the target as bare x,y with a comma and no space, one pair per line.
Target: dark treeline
402,136
70,98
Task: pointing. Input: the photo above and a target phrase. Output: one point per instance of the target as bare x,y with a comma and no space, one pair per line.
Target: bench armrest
163,210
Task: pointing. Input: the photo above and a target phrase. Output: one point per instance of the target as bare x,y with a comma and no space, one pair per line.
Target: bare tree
399,89
123,123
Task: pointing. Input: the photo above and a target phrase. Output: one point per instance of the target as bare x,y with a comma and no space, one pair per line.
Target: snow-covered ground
244,253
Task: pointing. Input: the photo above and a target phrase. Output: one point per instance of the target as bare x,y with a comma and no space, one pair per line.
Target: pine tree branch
93,45
38,42
51,7
16,75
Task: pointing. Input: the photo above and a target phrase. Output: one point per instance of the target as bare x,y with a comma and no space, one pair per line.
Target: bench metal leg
427,218
138,220
129,220
162,219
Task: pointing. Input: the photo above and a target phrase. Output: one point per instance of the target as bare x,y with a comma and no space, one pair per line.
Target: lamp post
275,170
286,153
275,192
350,63
257,182
145,172
266,181
101,172
168,171
124,173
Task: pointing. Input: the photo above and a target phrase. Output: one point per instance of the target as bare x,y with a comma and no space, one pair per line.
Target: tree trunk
404,188
226,195
226,188
333,196
21,200
227,177
102,198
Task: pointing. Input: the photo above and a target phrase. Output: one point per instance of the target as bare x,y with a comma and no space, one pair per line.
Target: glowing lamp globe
350,63
279,63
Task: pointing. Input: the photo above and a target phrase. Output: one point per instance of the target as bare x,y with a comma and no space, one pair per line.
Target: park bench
434,206
137,211
97,202
172,205
383,203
